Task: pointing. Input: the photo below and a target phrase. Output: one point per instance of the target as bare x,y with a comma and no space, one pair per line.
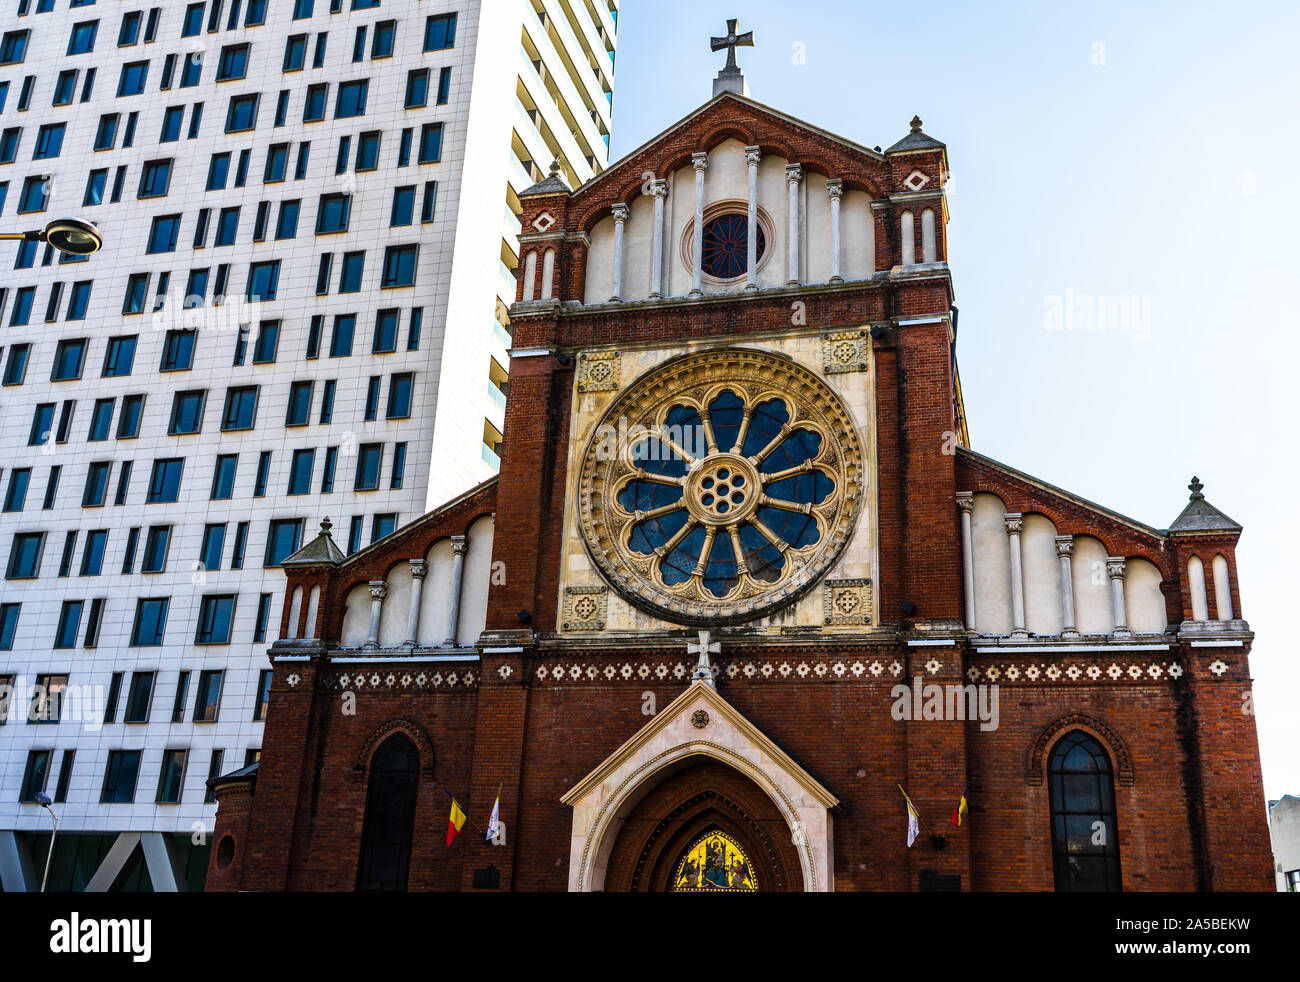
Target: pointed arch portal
700,769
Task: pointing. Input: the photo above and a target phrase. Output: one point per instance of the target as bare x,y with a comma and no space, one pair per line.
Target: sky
1140,151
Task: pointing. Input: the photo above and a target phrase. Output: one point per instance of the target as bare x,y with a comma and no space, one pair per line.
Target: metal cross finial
703,670
1195,487
731,42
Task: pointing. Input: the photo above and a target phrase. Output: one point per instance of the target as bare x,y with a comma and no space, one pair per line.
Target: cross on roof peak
731,42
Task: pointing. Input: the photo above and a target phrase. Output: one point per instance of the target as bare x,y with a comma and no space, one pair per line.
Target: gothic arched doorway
710,814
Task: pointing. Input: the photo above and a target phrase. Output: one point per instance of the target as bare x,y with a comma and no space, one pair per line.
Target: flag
456,821
960,811
494,820
913,819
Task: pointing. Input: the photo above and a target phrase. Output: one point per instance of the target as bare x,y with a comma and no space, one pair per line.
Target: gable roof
1081,502
324,551
712,106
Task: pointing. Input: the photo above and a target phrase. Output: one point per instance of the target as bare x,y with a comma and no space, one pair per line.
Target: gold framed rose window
721,485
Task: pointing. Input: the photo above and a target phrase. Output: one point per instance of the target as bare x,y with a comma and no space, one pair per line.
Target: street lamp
45,801
70,235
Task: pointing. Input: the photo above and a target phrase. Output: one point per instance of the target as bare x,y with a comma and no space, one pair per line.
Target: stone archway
702,796
736,778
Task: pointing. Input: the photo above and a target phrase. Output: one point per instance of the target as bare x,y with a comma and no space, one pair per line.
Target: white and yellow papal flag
913,819
494,820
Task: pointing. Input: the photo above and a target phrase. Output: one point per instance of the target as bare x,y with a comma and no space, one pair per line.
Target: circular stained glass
720,486
726,246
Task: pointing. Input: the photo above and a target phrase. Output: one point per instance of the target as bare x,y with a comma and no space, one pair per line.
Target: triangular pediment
748,116
721,726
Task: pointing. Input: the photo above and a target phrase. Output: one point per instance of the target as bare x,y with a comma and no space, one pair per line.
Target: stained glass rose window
720,486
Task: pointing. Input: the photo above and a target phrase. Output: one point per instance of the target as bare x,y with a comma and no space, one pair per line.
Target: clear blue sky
1165,173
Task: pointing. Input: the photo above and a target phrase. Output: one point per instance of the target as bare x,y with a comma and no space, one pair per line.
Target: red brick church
742,577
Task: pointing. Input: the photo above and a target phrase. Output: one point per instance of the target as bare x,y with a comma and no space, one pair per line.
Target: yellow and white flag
494,821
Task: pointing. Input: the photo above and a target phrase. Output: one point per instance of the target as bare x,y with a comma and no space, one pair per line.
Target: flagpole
463,811
917,812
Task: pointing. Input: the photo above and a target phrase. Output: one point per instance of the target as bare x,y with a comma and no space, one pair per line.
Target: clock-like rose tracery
721,485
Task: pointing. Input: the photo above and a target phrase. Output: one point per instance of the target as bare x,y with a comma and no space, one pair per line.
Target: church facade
742,585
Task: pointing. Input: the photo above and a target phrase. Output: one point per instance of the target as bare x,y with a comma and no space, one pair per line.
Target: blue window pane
162,237
440,32
263,280
82,39
399,265
165,481
283,539
341,340
150,625
430,143
352,268
49,141
351,100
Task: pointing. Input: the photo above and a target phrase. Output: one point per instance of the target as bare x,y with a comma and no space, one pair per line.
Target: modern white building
308,212
1284,831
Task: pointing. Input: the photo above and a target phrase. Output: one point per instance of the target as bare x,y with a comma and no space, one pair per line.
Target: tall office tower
298,311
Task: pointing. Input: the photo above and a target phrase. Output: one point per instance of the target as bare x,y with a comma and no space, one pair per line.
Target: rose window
726,246
720,486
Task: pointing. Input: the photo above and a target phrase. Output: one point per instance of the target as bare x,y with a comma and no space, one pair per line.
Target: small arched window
1085,837
390,817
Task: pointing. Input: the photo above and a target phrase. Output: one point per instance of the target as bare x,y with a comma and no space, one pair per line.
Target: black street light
70,235
45,801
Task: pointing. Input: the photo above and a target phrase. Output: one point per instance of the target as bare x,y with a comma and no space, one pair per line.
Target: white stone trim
601,800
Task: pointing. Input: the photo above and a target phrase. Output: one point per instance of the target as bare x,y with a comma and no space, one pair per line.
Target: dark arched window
390,816
1085,837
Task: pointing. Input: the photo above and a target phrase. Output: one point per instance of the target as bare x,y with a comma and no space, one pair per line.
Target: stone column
1064,552
793,175
835,189
620,218
660,190
966,502
459,546
418,568
1015,523
1115,570
378,591
752,156
701,163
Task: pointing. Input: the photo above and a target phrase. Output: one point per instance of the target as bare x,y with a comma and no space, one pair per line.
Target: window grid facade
135,355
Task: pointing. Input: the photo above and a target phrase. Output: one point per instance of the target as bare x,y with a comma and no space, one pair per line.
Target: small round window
726,245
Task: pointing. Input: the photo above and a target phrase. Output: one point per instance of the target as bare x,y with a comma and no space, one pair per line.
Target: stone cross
731,42
703,670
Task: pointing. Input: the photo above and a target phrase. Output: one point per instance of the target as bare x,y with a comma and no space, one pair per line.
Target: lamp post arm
50,853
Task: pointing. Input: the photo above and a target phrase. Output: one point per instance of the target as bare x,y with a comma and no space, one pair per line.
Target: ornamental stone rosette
721,486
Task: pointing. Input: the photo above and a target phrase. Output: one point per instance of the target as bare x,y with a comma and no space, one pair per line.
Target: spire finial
555,167
916,124
1195,487
325,526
